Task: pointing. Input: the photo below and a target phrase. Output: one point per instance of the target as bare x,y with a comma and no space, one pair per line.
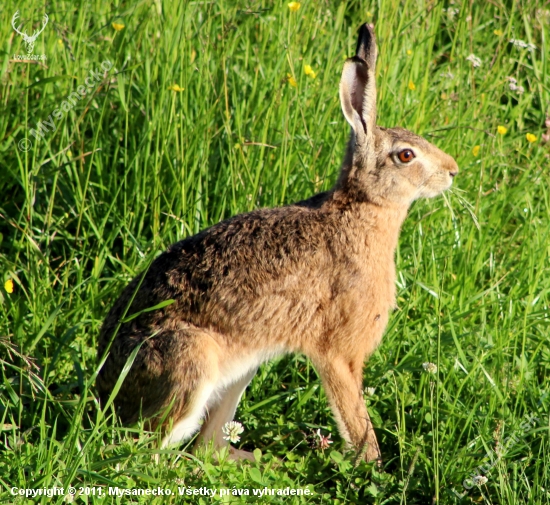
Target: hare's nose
452,167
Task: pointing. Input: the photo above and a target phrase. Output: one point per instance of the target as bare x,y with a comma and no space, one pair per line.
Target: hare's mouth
436,185
452,175
450,179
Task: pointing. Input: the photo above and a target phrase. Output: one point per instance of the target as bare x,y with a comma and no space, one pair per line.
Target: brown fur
316,277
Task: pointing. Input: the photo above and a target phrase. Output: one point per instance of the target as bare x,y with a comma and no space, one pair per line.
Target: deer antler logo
29,40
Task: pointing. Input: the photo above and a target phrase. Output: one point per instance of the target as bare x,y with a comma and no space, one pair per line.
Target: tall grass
199,119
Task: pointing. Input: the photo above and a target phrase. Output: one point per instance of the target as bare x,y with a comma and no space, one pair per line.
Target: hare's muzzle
452,167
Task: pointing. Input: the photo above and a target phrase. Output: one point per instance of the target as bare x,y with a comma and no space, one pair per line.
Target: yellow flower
409,52
412,87
531,138
117,26
291,81
498,33
475,150
444,96
175,87
502,130
60,42
8,286
369,14
309,71
294,6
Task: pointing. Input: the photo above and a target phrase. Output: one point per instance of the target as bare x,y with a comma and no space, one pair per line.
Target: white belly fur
224,391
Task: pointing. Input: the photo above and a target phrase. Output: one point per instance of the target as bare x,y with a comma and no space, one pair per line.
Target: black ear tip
365,41
367,26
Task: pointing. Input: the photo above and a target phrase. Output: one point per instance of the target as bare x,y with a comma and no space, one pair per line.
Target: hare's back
230,263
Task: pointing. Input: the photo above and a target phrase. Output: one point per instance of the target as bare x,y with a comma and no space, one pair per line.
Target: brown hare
316,277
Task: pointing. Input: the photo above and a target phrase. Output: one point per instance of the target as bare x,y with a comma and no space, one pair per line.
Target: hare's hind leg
342,381
221,410
188,424
195,373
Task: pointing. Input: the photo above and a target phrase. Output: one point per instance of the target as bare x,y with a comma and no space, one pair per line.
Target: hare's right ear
358,88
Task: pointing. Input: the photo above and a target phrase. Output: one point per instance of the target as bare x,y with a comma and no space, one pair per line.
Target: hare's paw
373,454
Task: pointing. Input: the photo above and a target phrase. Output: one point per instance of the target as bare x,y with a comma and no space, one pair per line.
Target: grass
135,166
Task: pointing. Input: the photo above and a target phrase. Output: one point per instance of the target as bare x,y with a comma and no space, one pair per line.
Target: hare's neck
365,222
375,229
381,224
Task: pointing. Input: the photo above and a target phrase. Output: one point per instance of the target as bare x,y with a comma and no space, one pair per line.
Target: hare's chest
375,282
374,296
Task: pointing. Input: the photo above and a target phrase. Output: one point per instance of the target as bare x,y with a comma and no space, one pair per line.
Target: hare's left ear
358,87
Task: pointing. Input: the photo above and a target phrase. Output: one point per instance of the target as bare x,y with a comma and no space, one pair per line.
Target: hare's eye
405,155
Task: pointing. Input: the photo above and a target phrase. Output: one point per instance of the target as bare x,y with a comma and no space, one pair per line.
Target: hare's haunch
316,277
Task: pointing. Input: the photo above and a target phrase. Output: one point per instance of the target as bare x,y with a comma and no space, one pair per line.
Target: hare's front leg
342,380
220,410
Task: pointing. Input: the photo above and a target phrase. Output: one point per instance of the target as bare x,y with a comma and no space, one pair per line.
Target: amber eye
405,155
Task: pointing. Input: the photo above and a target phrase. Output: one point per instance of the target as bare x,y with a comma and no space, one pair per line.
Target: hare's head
384,165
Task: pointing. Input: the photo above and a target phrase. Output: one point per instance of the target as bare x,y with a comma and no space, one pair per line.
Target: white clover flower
480,480
476,62
232,430
430,367
370,391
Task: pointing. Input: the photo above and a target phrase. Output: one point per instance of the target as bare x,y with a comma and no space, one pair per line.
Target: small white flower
518,43
322,442
513,85
179,481
480,480
476,62
232,430
370,391
522,44
430,367
452,12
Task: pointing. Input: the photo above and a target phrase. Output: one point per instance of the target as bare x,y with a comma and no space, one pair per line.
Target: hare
316,277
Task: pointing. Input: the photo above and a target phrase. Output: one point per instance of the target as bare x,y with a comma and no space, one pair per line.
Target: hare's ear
358,88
